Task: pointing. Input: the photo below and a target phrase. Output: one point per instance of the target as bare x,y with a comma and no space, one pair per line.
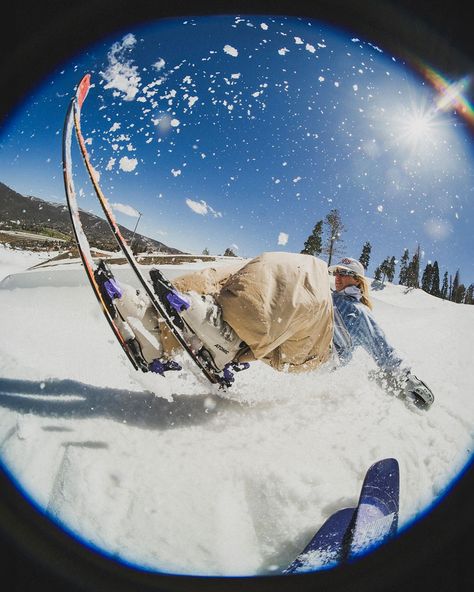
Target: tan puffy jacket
278,303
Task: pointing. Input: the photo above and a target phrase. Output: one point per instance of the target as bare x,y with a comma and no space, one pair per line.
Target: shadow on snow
70,399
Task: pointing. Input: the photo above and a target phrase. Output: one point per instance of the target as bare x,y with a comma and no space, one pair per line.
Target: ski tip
83,89
384,467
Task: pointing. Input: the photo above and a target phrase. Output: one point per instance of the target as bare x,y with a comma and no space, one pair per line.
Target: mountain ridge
20,212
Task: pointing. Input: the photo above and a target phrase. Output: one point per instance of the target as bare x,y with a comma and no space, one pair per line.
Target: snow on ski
325,548
162,310
81,239
376,518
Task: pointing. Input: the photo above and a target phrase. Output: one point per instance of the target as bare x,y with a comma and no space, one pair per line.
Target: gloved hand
418,391
402,383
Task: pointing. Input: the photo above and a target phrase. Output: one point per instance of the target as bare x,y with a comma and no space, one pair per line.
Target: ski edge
81,239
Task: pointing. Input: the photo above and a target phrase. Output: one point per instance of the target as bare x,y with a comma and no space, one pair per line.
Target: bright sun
416,130
417,126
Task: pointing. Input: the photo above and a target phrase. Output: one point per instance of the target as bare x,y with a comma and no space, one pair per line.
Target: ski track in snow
173,475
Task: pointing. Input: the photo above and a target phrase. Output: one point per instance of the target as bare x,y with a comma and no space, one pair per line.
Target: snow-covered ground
175,476
14,260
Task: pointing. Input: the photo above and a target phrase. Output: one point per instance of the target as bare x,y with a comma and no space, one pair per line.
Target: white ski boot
204,318
136,319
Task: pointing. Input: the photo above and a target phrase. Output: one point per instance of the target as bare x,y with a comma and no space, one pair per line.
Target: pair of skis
161,305
352,532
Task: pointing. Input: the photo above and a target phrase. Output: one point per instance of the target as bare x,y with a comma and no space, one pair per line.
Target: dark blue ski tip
352,532
376,518
325,548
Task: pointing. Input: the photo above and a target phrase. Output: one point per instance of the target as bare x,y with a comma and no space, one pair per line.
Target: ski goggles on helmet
344,272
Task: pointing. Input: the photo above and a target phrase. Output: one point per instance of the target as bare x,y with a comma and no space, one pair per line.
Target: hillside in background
27,213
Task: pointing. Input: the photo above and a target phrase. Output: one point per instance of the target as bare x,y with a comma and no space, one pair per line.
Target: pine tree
391,269
403,277
383,269
387,269
460,294
413,270
378,274
427,278
459,290
434,289
469,298
205,251
313,244
444,287
455,287
336,228
365,255
229,253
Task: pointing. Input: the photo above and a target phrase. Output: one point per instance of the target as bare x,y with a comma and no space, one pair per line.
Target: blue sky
244,132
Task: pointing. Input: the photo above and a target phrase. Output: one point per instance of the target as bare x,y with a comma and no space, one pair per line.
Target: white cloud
128,164
283,238
110,164
121,74
202,208
159,65
163,123
283,51
231,51
124,209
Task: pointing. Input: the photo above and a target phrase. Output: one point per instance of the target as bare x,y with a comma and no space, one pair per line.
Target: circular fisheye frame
236,289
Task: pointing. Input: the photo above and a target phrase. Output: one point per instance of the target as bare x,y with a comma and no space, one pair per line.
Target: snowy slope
174,476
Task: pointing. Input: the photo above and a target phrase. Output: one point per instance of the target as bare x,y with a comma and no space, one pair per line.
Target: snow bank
175,476
15,260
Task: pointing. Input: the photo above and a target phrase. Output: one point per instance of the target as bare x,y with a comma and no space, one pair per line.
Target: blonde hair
364,288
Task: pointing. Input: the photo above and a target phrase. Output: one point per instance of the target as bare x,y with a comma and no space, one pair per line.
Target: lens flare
451,95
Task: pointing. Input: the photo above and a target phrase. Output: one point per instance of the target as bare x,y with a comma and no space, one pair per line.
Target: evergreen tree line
409,274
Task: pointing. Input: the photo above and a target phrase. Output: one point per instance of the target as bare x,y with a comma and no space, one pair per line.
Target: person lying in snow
355,325
277,308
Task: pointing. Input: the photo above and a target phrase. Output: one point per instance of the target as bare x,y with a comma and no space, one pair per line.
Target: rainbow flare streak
451,94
